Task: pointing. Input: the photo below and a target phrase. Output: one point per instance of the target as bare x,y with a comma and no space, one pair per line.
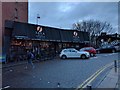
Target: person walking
30,57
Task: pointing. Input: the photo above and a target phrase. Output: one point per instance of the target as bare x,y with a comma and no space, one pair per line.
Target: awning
9,24
20,29
66,36
52,34
44,33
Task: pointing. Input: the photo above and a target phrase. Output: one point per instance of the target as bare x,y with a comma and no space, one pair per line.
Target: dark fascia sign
39,33
21,37
75,37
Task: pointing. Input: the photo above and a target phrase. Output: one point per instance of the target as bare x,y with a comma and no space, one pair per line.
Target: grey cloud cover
64,14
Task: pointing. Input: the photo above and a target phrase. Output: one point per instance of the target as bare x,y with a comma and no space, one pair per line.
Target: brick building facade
13,11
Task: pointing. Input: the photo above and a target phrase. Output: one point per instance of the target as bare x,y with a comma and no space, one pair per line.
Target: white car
73,53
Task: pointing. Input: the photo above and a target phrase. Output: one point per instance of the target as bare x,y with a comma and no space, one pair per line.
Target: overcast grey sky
64,14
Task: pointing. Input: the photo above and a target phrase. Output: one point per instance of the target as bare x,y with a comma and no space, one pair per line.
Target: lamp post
38,17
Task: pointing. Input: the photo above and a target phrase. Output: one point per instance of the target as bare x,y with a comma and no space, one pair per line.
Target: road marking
95,57
5,87
91,78
94,77
11,70
92,57
85,82
111,54
106,55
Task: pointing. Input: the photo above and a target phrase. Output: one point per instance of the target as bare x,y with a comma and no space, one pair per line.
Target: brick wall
10,10
0,40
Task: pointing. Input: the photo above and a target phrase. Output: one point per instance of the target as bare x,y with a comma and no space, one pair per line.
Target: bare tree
94,27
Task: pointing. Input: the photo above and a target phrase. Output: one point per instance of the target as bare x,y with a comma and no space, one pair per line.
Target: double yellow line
91,78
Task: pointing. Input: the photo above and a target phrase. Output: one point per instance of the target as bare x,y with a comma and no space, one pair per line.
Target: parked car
117,46
106,49
91,50
73,53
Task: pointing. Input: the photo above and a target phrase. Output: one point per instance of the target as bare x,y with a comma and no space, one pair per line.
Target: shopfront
43,41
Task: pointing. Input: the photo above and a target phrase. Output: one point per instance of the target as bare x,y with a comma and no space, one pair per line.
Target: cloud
64,14
72,0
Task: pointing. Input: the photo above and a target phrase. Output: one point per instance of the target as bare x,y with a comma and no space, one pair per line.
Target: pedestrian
30,57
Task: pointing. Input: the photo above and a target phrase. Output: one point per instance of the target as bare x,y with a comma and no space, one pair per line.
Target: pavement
110,80
12,64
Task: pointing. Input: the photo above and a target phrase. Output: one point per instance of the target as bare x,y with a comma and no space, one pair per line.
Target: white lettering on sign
39,33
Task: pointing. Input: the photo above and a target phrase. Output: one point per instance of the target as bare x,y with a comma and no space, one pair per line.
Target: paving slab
111,79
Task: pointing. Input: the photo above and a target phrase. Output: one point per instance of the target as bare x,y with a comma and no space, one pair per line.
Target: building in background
13,11
107,39
18,35
46,42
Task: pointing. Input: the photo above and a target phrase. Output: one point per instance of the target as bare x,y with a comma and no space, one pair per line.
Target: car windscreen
66,51
89,48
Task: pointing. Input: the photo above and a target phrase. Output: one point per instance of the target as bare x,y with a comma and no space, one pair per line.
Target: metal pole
58,85
89,87
115,63
38,17
37,20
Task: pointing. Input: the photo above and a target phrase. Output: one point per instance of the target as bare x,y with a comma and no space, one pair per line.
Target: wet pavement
55,73
110,80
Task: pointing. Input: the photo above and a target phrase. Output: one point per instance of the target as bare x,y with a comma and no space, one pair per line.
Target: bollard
115,63
89,87
58,85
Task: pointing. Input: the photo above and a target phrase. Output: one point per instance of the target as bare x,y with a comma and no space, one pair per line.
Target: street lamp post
38,17
37,34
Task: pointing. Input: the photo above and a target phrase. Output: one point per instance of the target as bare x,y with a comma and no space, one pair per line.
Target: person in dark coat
30,57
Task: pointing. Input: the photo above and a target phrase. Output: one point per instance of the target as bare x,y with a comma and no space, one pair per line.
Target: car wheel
94,55
98,52
91,54
83,56
64,57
